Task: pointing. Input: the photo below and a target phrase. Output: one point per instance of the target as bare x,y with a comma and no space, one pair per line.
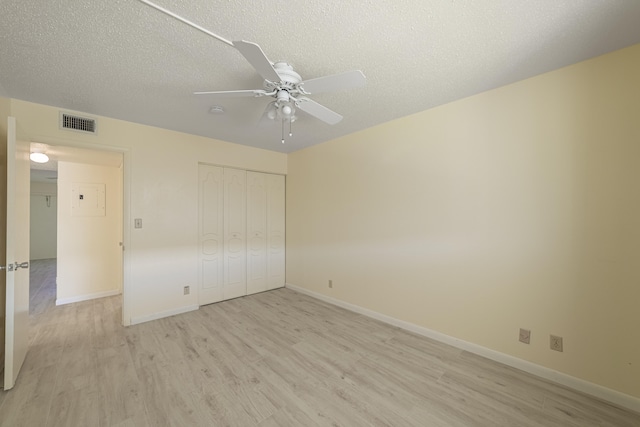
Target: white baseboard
595,390
86,297
160,315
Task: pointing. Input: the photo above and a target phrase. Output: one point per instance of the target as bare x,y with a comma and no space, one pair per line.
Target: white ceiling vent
77,123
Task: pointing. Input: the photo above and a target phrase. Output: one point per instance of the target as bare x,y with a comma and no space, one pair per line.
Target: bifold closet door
210,234
265,232
256,232
241,233
275,231
235,228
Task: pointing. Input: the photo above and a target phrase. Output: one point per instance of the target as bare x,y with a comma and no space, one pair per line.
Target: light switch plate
137,223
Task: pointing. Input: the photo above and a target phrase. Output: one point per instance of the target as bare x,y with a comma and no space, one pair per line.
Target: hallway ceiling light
39,157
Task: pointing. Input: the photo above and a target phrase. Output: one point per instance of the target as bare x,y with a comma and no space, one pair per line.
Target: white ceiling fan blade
342,81
318,111
257,59
234,93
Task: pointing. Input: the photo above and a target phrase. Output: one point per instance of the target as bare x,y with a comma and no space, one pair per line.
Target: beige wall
5,106
89,261
518,207
161,188
43,220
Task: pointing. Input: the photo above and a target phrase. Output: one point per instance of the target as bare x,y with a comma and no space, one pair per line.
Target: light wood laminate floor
278,358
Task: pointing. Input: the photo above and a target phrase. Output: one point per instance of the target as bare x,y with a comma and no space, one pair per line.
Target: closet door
256,232
275,231
210,234
235,226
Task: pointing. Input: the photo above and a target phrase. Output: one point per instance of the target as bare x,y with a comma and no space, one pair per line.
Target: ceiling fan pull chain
290,125
283,131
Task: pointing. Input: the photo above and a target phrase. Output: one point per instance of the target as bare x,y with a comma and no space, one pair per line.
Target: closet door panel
275,231
256,232
210,234
235,225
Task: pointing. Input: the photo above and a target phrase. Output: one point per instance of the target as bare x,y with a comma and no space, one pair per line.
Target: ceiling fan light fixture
286,110
39,157
272,112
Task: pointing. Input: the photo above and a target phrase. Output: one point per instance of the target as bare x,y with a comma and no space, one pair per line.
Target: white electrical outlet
555,343
525,336
187,290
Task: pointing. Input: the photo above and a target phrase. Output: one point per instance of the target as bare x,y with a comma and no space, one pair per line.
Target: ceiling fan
281,82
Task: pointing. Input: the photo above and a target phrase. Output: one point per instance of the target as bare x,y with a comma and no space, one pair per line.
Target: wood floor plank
277,358
36,391
74,408
585,410
121,400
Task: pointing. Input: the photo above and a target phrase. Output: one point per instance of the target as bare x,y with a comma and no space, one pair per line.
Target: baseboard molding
160,315
87,297
595,390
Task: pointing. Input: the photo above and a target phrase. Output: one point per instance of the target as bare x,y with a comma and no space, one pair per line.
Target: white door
235,229
210,234
17,259
256,232
275,231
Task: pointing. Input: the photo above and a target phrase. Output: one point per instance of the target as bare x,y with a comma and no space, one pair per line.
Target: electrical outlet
525,336
187,290
331,283
555,343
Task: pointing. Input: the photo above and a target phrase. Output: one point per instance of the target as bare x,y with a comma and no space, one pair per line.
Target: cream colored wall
89,261
43,220
161,182
518,207
5,107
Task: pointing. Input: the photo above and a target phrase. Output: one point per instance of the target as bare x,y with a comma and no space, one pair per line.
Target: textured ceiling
123,59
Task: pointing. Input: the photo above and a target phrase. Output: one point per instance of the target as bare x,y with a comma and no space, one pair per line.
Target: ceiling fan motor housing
288,78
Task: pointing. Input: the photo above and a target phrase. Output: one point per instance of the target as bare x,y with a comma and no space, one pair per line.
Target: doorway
80,193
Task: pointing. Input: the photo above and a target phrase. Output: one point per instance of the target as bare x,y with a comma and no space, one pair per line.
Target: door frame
126,209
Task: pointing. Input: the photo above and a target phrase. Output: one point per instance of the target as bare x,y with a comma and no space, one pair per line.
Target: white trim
162,314
87,297
595,390
127,290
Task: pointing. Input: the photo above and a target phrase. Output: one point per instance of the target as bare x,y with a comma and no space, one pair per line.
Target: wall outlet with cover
525,336
555,343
